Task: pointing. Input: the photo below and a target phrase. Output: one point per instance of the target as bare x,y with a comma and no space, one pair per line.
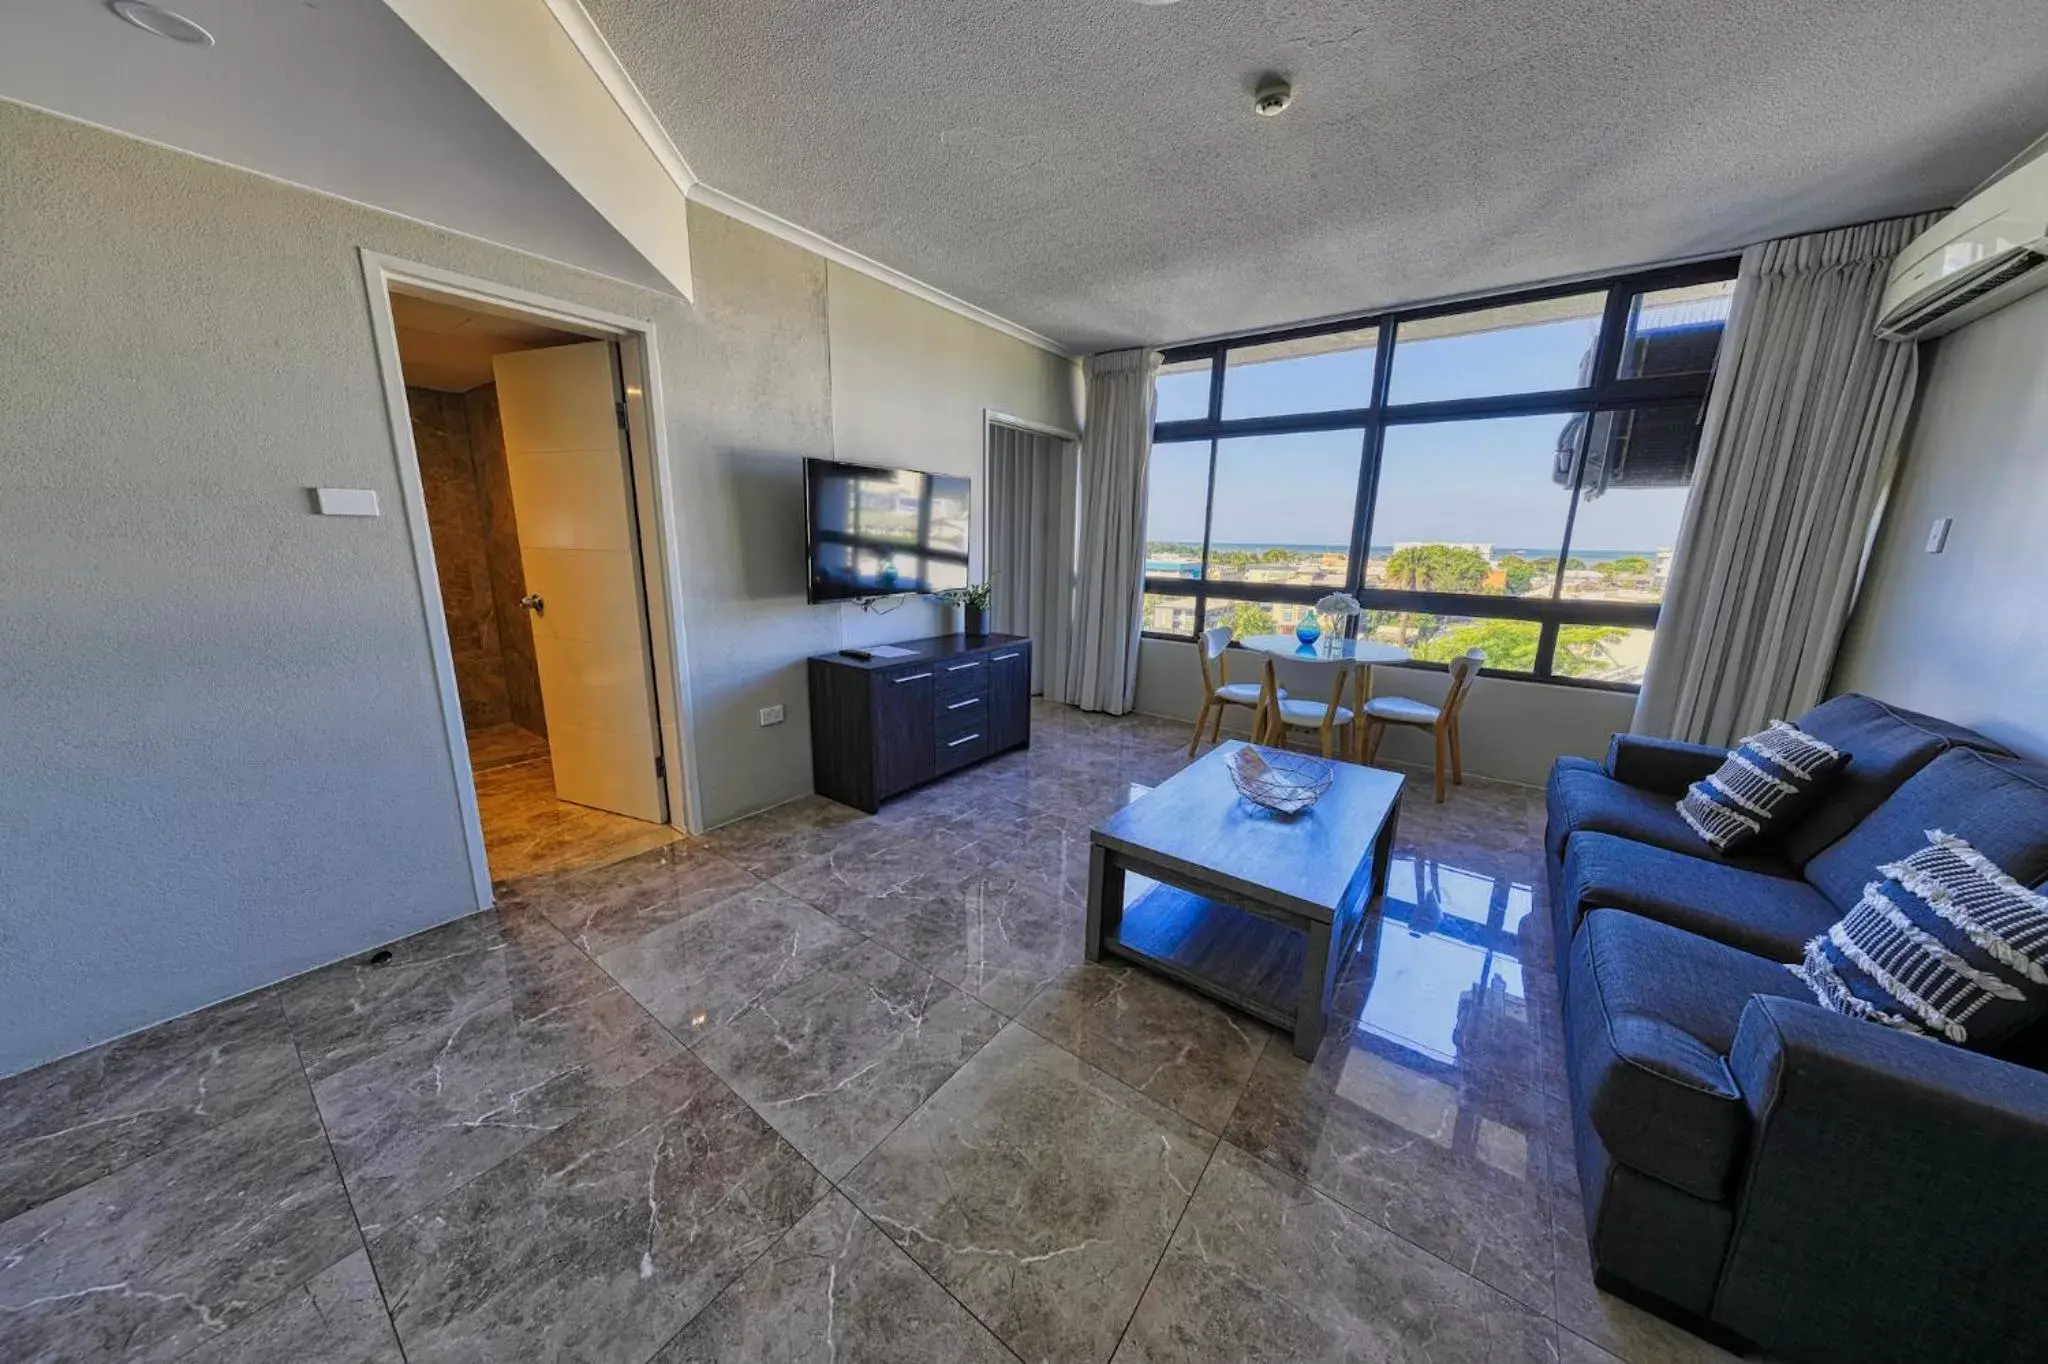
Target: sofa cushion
1665,765
1947,945
1763,789
1771,916
1886,745
1584,799
1999,807
1652,1011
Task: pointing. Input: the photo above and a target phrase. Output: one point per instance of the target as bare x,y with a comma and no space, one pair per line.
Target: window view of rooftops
1459,485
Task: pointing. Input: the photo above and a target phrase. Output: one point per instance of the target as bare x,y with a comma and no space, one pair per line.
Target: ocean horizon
1382,551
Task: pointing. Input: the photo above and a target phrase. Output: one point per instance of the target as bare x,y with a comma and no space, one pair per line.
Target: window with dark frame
1505,474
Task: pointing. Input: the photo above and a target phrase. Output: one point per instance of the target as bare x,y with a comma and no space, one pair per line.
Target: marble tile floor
503,745
829,1086
528,832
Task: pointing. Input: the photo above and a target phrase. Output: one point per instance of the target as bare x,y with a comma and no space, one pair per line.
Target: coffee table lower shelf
1249,962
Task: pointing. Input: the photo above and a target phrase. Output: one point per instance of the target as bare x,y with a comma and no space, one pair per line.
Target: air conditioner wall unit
1986,254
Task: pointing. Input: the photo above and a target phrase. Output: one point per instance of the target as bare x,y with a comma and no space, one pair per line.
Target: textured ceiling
1091,168
449,347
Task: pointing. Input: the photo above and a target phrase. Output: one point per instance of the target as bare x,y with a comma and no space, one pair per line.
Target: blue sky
1486,480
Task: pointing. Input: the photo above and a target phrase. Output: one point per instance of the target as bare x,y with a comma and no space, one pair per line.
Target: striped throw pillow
1767,784
1946,945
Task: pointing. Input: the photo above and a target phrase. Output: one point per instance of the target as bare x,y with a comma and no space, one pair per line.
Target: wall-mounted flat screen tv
876,532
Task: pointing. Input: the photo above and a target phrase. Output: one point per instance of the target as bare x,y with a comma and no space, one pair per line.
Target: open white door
572,496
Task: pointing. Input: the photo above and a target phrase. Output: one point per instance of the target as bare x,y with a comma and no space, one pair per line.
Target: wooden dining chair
1277,714
1442,721
1218,691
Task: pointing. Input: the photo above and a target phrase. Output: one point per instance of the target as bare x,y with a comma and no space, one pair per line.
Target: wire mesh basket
1285,782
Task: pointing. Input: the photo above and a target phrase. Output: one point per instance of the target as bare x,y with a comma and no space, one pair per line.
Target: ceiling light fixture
1273,96
160,21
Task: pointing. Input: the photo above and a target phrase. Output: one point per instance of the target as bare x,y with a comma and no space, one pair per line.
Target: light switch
1937,538
347,501
771,715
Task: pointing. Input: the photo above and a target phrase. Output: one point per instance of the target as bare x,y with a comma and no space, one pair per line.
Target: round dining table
1355,655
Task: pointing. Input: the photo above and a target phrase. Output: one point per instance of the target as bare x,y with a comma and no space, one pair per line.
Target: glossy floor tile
1038,1191
1170,1045
335,1317
180,1247
603,1239
528,832
837,1060
827,1086
1265,1269
503,745
68,1123
834,1288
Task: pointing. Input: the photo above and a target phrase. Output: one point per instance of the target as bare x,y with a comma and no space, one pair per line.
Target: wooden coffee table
1252,908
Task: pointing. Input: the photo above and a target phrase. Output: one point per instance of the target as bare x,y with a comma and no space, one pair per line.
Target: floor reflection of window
1443,1029
1433,897
1412,1101
1418,986
1504,1148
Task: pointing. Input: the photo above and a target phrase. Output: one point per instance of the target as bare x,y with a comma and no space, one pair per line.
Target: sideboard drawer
957,750
962,677
959,714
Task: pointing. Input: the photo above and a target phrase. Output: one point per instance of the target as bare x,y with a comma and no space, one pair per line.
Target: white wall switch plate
771,715
347,501
1937,538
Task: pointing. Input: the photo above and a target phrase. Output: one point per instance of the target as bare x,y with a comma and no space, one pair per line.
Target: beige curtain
1031,509
1102,673
1800,440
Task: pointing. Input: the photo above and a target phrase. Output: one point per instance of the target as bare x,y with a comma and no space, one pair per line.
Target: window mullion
1571,505
1546,650
1208,520
1369,460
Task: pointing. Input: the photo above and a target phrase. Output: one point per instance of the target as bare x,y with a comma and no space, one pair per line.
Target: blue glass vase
1309,631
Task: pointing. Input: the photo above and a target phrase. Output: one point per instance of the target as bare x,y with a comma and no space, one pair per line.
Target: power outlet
771,715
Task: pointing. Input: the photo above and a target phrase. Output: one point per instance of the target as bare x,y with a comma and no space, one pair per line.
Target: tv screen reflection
878,532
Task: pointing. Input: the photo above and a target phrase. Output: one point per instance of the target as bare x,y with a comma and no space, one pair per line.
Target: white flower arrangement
1339,607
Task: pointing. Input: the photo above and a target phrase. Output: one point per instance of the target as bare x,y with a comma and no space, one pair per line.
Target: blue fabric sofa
1824,1187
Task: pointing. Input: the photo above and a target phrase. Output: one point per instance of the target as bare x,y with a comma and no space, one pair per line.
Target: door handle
963,739
910,677
962,705
1001,657
532,602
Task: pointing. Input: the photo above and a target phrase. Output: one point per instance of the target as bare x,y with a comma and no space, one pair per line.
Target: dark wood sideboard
880,726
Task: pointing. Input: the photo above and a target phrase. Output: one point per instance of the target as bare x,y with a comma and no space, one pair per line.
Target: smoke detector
1273,96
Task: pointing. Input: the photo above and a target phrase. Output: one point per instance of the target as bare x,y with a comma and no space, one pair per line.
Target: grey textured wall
912,385
222,758
1961,634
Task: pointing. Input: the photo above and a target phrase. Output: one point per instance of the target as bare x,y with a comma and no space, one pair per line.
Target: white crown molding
817,245
583,32
519,58
611,73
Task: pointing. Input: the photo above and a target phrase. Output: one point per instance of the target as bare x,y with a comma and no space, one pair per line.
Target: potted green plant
973,599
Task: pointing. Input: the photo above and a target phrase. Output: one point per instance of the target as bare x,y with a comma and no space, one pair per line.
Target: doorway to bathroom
535,479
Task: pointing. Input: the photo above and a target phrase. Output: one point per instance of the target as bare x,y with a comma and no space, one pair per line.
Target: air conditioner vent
1988,254
1996,274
